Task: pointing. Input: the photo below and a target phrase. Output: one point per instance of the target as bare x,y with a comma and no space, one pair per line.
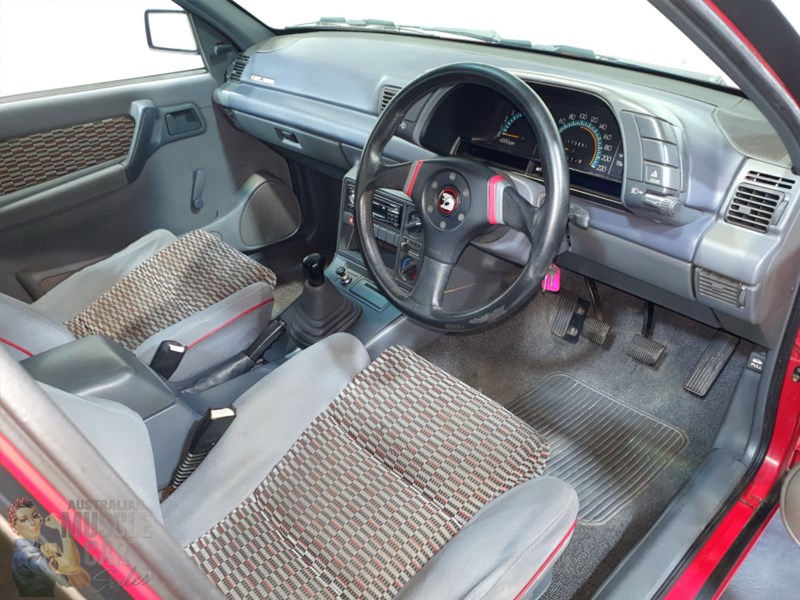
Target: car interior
462,320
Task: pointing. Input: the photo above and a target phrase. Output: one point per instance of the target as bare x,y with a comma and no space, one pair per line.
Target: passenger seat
194,289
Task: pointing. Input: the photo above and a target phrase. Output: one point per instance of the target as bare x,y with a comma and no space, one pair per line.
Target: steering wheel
459,198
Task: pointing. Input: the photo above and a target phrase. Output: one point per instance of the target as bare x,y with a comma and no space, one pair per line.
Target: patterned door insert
42,157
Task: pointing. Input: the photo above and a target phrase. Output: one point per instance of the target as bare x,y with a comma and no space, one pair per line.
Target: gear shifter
321,309
314,269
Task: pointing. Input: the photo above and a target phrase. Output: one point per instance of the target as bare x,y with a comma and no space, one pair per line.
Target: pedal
645,350
595,330
570,317
710,365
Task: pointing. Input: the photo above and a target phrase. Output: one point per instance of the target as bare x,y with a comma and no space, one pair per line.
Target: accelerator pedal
645,350
710,365
570,317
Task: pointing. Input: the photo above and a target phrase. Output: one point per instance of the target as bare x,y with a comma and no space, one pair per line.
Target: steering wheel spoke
508,207
399,177
431,283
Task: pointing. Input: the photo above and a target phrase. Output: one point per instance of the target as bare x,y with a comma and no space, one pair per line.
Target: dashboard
687,191
589,132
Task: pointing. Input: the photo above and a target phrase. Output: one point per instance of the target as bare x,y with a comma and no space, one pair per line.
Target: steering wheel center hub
446,200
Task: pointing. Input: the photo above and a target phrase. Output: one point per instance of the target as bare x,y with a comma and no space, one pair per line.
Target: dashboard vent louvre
782,183
721,288
387,93
753,207
237,68
230,115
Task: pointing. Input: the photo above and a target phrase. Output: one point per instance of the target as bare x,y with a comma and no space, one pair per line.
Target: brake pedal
645,350
595,330
642,347
710,365
570,317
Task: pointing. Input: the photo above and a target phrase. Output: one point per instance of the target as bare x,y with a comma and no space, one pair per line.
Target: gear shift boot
321,310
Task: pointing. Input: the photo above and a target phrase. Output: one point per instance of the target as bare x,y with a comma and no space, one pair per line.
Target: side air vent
754,207
230,115
721,288
237,68
781,183
387,93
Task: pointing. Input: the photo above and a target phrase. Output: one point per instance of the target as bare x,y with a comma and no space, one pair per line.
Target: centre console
398,231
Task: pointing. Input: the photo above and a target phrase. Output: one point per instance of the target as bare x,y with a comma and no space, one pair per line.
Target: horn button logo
447,200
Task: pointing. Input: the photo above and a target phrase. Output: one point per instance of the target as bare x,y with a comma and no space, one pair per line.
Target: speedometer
591,144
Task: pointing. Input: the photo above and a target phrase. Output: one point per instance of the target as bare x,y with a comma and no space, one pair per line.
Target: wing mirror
169,31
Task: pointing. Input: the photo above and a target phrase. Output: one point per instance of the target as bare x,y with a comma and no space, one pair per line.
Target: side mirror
790,503
169,31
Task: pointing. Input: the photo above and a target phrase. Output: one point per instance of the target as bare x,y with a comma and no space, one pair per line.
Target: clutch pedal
570,317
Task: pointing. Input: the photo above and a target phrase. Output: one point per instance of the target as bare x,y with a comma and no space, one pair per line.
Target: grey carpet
607,451
509,360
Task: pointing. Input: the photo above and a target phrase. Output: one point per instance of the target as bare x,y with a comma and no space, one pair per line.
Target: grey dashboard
691,199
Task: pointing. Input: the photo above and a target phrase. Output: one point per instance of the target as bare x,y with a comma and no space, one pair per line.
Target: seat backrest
119,435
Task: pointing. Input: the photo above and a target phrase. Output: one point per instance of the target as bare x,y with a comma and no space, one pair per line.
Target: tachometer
515,135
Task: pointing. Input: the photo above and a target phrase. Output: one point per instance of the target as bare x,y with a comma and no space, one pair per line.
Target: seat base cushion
374,487
187,276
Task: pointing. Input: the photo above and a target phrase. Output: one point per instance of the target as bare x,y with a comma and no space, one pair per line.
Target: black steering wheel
458,199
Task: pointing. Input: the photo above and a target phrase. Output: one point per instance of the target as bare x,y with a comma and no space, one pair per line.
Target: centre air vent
237,68
387,93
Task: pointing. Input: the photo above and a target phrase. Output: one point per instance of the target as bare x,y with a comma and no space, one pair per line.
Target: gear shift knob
314,269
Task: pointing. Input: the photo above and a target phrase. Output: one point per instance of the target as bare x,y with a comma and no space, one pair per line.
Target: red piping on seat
547,562
228,322
79,528
13,345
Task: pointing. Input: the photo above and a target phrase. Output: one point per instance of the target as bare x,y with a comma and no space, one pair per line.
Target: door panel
85,173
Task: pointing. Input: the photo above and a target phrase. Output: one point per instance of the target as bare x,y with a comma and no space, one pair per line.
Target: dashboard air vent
721,288
753,207
782,183
387,93
237,68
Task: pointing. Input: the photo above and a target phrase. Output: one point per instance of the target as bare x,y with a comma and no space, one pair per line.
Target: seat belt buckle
552,281
167,358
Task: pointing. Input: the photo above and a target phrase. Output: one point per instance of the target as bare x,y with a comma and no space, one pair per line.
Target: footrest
710,365
595,330
570,316
645,350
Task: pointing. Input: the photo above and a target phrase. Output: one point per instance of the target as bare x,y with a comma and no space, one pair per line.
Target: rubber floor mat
608,451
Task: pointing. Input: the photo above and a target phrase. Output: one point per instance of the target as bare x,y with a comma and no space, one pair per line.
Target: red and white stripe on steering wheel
497,186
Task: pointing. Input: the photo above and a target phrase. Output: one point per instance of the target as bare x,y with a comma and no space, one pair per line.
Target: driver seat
388,479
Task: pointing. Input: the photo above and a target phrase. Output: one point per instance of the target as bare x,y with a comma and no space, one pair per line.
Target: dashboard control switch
660,152
662,176
667,206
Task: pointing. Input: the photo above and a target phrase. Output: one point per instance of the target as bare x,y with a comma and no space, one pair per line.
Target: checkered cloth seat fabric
373,488
189,275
